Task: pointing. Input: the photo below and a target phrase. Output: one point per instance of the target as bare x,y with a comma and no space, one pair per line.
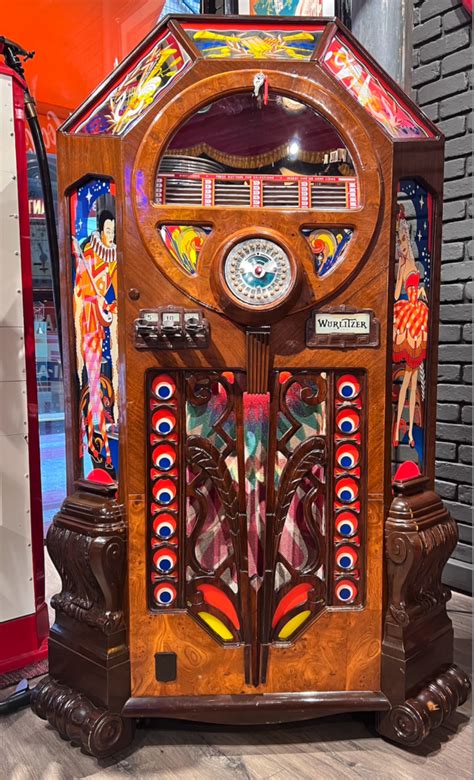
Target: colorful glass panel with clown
94,278
411,320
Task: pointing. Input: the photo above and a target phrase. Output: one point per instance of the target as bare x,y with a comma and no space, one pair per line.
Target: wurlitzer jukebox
251,217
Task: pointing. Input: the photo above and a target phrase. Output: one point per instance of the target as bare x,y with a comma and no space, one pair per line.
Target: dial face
258,272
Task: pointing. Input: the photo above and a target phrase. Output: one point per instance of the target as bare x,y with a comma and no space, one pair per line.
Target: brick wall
442,73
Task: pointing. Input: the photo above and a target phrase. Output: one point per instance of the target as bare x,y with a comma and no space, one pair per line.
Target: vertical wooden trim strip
258,358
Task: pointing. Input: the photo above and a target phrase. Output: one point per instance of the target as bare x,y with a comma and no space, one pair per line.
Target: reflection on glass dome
238,152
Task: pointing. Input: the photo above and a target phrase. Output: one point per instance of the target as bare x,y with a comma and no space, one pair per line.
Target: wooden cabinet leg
89,665
411,721
419,679
96,730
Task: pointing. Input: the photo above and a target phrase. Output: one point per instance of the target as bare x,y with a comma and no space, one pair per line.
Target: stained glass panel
411,320
138,89
292,7
94,279
329,247
185,242
215,551
269,520
261,44
256,422
358,78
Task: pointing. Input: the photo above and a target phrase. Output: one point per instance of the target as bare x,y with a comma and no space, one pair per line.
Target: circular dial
258,272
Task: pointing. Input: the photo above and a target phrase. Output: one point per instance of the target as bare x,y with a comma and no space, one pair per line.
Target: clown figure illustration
95,316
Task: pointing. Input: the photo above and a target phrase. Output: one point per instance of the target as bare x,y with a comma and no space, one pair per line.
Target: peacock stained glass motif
329,247
216,540
185,243
298,503
138,89
257,44
376,98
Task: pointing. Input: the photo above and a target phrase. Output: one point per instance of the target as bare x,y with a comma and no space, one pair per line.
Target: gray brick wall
442,79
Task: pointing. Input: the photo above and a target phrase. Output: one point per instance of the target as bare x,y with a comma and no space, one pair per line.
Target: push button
171,327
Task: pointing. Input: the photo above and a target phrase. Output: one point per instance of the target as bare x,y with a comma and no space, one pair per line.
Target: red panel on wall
81,39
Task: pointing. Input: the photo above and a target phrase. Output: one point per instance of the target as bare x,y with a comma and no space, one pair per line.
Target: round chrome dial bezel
258,272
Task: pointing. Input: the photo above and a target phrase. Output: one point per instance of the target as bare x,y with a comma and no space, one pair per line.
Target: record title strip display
297,192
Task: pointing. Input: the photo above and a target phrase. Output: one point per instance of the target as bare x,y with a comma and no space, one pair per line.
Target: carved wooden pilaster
258,358
88,655
418,677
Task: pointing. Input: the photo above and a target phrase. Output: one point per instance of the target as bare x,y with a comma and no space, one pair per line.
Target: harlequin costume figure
94,311
410,326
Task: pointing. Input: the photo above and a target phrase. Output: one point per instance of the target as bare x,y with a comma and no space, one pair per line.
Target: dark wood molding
256,709
410,722
86,543
420,535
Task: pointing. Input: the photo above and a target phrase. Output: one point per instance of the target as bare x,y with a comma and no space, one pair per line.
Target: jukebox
251,217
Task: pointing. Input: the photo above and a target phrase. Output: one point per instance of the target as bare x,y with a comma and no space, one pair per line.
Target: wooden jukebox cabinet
251,217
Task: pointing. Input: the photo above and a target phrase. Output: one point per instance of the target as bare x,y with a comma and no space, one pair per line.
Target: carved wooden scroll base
88,654
410,722
96,730
418,677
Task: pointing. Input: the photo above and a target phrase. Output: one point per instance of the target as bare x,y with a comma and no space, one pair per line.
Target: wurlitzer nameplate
342,327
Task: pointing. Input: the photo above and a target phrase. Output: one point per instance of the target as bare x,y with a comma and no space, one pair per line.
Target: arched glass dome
244,151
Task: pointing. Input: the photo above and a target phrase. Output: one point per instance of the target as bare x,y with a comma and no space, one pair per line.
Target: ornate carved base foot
411,722
95,729
419,679
88,652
